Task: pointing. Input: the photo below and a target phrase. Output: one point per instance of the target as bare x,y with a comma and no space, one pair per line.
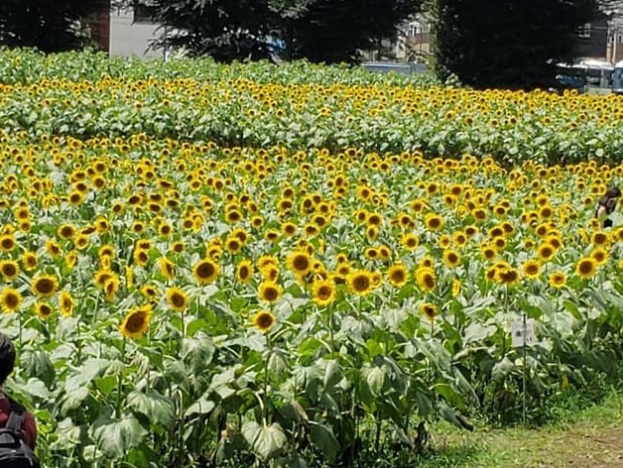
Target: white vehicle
617,78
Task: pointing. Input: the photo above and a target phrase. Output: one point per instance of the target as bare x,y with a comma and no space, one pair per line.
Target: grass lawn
590,438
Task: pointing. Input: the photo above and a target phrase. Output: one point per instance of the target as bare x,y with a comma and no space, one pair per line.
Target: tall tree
224,29
334,31
318,30
49,25
507,43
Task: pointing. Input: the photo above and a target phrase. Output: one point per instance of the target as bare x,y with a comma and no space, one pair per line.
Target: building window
144,12
585,31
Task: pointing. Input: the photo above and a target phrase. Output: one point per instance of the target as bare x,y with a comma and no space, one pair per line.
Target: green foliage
331,31
507,43
48,26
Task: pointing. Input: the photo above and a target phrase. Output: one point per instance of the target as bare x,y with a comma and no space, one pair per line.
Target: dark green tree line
328,31
48,25
507,43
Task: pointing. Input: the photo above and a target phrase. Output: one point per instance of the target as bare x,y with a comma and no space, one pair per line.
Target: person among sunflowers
606,205
18,428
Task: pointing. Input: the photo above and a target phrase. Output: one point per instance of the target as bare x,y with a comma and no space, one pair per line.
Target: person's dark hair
7,357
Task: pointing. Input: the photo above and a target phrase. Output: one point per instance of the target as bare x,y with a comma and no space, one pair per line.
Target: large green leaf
158,408
116,438
322,437
264,440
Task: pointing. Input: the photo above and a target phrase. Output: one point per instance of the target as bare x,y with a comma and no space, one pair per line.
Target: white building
131,34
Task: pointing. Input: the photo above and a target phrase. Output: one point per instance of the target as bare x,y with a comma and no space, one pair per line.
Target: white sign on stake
523,333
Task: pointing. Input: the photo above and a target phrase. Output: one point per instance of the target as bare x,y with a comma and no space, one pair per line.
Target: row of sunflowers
181,304
300,106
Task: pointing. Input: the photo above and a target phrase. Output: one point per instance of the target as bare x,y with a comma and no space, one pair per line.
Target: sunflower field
208,265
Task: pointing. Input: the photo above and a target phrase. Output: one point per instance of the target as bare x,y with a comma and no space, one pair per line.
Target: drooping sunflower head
136,322
428,310
66,303
167,268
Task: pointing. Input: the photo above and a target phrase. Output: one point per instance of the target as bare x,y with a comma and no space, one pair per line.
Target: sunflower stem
265,392
120,381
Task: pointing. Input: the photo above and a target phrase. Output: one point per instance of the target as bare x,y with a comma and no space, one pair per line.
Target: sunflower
428,310
140,257
44,285
206,271
244,271
487,252
167,268
106,250
456,287
371,253
599,255
66,304
111,286
372,233
433,222
323,292
9,269
451,258
269,291
149,291
426,262
65,231
10,299
410,241
545,251
531,269
136,322
101,276
233,245
425,278
360,282
43,309
75,198
299,262
586,267
264,321
272,235
52,248
177,299
507,275
81,241
29,261
398,275
7,242
600,239
557,279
